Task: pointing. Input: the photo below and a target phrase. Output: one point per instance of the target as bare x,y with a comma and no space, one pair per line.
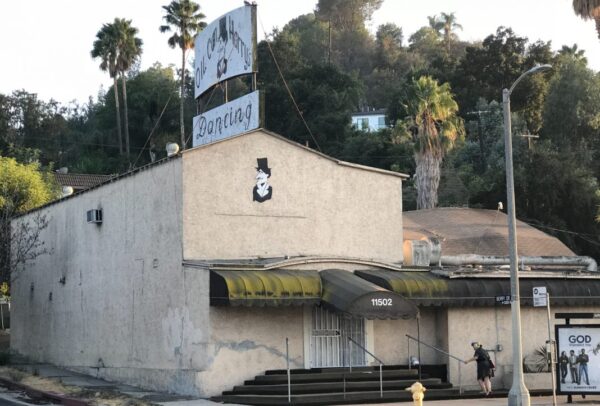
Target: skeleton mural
262,191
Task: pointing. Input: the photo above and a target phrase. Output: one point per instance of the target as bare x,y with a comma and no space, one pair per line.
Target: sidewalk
537,401
98,385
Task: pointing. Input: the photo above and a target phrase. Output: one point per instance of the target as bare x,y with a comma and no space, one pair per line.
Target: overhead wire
288,88
152,131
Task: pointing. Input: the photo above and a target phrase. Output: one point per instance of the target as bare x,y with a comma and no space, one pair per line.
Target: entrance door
329,344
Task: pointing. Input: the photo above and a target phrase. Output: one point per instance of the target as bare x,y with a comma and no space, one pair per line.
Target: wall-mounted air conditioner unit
94,216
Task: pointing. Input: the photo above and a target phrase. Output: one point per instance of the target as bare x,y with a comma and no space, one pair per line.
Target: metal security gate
329,346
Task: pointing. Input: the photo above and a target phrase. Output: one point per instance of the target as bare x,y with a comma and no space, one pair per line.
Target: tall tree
347,14
185,19
449,25
129,49
431,113
588,9
23,187
105,48
388,40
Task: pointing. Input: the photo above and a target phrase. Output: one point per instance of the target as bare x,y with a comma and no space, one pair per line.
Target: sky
45,45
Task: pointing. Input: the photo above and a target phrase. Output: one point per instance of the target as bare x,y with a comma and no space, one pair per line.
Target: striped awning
280,287
427,289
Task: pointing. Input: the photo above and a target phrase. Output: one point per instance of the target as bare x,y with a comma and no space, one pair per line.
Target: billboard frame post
553,349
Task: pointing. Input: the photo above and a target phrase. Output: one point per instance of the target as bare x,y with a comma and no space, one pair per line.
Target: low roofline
114,178
276,263
296,144
377,112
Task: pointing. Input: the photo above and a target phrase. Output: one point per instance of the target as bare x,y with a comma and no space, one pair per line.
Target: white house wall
318,207
127,310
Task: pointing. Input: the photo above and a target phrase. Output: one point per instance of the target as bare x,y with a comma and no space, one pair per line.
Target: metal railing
350,341
460,360
287,361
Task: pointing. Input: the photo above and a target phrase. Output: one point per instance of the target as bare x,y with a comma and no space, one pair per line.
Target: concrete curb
39,394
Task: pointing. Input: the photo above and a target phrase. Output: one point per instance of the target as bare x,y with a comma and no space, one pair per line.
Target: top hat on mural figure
223,29
263,165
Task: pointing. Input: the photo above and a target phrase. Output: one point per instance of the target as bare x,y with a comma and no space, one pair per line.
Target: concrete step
335,377
333,387
337,398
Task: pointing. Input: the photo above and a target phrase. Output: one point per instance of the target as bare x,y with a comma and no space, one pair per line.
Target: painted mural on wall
262,191
579,358
225,48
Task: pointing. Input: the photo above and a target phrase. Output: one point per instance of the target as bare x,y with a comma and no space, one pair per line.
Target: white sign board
578,358
225,48
539,296
229,119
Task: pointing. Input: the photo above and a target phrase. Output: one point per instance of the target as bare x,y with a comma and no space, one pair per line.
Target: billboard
229,119
225,48
578,358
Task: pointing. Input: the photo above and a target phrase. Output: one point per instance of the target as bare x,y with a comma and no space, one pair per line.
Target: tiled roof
80,181
477,231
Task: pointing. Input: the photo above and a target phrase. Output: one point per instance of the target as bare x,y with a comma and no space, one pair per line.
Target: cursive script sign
235,117
225,48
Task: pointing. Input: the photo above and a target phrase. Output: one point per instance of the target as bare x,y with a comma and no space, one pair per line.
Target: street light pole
518,395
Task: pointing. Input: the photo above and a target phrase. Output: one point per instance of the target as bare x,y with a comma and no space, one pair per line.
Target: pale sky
45,45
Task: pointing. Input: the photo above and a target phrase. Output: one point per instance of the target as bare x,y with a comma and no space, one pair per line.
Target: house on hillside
370,120
189,275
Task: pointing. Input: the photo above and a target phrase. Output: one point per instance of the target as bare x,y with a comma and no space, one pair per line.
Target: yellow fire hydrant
418,393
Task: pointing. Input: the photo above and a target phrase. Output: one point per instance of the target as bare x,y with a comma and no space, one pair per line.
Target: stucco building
189,274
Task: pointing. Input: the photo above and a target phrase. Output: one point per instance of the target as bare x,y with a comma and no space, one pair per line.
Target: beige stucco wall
391,343
492,326
247,341
319,207
127,310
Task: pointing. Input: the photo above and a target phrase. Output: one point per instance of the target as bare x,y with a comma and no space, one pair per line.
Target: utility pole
480,133
529,137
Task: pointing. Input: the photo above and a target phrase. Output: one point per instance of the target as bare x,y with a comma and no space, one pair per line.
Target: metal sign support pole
552,351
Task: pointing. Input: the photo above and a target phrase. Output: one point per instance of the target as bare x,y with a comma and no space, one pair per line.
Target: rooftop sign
225,48
227,120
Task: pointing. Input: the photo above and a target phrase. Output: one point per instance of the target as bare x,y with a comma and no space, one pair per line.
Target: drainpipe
471,259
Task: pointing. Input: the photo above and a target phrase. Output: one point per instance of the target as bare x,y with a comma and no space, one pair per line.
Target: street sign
504,300
540,296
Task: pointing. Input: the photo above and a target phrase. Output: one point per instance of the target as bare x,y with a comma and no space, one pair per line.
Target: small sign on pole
503,300
540,297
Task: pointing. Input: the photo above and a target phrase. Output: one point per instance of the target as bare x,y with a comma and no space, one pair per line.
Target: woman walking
484,367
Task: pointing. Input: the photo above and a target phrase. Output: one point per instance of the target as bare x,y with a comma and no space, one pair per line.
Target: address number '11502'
381,302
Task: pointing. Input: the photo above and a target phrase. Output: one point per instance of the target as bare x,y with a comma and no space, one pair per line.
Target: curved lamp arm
535,69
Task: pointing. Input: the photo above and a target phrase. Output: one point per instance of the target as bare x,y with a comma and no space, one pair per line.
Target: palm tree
573,52
118,48
129,49
432,115
105,48
184,17
588,9
448,25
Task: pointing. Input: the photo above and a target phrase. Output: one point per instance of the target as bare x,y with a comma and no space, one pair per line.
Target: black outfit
258,198
564,367
484,368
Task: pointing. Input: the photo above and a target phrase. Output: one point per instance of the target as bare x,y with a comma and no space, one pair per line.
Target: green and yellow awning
280,287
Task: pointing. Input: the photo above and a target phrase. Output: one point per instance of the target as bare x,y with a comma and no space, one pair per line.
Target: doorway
329,344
